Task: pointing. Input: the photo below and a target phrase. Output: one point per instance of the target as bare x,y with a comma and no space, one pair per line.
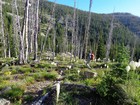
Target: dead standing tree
24,34
15,32
86,38
73,30
36,31
66,34
2,30
133,49
32,13
25,28
48,29
21,40
109,41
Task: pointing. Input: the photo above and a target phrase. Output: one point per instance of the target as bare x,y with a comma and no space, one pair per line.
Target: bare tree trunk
87,30
2,30
31,26
15,28
48,30
109,39
26,31
133,50
76,36
54,42
21,39
14,32
36,32
73,30
66,35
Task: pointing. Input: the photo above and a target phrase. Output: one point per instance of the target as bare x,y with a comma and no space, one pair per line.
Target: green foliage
67,99
14,94
29,80
119,71
92,82
101,47
43,65
104,87
28,98
45,75
123,55
51,76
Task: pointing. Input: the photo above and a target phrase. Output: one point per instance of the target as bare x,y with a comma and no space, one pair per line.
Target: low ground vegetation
23,84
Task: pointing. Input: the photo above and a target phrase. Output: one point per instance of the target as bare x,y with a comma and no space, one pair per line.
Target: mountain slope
130,21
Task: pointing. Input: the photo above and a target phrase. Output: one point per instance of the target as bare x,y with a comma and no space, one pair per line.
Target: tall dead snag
48,28
2,30
87,30
77,39
21,39
73,29
32,13
109,41
36,31
66,34
25,32
14,27
133,49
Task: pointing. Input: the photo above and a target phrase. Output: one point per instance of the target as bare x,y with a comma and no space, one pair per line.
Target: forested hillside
99,29
130,21
123,32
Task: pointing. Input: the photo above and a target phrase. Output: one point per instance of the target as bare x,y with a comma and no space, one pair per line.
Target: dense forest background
125,31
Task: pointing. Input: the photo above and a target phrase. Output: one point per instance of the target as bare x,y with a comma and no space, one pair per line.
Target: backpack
92,56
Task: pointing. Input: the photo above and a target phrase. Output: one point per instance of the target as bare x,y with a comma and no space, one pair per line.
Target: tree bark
26,31
48,30
109,39
133,49
73,30
36,32
2,30
21,38
87,30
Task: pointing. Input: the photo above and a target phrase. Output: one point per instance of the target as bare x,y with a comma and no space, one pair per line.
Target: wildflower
53,63
95,74
107,66
127,68
132,65
78,71
69,66
7,73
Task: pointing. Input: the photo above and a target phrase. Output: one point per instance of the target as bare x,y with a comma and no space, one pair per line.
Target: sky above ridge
106,6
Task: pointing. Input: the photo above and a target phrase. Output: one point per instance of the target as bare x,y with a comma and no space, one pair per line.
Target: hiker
92,56
88,59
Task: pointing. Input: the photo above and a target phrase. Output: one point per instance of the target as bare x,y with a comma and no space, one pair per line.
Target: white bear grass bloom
128,68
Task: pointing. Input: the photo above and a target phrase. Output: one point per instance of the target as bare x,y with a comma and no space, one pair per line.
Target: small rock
4,102
5,90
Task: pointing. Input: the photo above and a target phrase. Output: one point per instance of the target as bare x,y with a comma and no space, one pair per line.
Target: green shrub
51,75
29,80
123,55
92,82
73,77
38,76
104,87
28,98
43,65
25,70
119,71
14,94
14,71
